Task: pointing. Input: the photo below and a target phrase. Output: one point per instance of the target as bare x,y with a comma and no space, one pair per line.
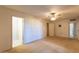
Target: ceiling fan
53,16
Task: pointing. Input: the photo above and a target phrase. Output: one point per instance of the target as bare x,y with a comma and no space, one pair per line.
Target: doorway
51,29
17,31
72,30
47,29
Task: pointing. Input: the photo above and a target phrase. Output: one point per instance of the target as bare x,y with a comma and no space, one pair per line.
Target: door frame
22,29
74,29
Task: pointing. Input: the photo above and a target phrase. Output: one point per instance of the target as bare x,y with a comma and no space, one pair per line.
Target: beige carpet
48,45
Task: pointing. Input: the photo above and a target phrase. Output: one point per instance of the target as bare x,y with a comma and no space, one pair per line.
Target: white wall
33,30
63,30
6,26
55,30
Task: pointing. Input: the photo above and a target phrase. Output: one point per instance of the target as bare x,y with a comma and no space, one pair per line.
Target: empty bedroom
39,29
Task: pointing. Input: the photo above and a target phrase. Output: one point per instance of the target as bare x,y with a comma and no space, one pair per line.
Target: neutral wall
6,26
33,30
55,30
63,30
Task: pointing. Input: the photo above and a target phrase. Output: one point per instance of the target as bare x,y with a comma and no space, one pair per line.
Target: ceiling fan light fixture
53,19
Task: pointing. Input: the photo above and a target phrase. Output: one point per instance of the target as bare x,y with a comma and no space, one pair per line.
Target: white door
17,31
72,29
51,29
78,30
78,34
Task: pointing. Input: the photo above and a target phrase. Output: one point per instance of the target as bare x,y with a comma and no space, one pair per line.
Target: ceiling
43,11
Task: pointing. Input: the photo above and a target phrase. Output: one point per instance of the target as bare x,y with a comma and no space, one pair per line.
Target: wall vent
72,19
